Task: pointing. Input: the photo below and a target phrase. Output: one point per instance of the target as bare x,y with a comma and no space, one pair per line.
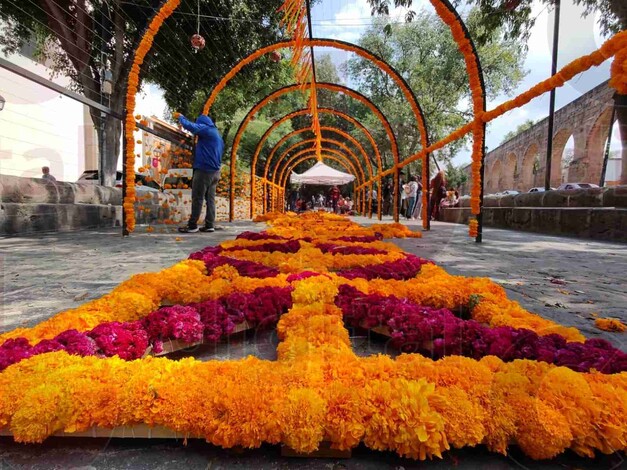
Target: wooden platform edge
143,431
171,346
138,431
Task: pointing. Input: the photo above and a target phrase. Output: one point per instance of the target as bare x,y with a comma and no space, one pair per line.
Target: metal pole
426,186
549,143
396,191
479,237
606,157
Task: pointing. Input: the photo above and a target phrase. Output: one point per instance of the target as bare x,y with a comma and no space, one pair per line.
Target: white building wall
39,127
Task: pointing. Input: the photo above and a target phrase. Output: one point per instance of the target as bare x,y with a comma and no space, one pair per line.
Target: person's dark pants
334,205
204,186
411,203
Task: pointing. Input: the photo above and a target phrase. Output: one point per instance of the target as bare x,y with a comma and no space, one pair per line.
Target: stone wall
600,214
31,205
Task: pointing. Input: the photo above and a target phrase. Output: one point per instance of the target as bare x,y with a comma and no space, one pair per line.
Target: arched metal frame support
472,65
294,161
302,112
321,85
332,43
343,148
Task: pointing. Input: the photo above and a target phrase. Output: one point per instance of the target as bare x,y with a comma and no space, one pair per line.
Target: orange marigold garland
131,90
473,228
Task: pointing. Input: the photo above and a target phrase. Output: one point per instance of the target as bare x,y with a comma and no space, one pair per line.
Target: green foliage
81,37
514,17
528,124
424,53
456,177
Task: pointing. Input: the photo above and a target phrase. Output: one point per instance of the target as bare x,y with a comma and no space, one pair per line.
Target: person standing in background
46,175
417,213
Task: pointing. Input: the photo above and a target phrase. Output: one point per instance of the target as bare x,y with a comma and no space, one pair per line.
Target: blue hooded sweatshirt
209,147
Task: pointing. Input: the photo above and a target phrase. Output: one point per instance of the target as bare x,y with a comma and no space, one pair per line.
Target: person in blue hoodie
207,163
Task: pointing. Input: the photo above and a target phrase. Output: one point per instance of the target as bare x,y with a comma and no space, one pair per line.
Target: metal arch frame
165,10
325,110
304,155
343,147
334,130
322,85
328,129
320,42
478,110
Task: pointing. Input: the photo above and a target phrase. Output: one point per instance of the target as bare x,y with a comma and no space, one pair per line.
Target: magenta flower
127,340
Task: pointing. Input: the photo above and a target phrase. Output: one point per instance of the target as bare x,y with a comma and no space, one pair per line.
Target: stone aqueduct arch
587,120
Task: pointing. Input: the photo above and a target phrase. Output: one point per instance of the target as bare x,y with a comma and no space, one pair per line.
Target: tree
528,124
456,177
514,18
326,70
425,54
81,38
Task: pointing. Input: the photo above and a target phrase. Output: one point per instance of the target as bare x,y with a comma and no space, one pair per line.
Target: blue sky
347,19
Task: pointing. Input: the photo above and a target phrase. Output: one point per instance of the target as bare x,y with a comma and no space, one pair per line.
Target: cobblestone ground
568,280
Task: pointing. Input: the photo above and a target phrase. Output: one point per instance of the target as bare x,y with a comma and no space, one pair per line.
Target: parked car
572,186
91,177
508,192
539,189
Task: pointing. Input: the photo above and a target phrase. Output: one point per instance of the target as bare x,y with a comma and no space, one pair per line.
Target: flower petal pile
481,370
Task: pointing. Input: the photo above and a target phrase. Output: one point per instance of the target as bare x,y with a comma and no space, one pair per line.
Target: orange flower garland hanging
131,90
474,79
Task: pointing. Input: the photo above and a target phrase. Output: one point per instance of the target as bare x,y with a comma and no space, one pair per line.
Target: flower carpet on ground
477,368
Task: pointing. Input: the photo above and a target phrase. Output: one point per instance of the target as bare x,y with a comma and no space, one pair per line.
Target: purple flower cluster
177,322
244,268
128,340
349,250
291,246
210,320
362,239
209,250
72,341
302,275
259,236
400,270
438,332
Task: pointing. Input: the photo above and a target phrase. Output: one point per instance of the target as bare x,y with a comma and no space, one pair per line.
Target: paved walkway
42,275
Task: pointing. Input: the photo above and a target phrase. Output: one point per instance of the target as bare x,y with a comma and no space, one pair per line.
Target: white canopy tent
321,174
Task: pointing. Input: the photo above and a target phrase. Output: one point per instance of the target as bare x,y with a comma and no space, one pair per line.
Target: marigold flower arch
342,146
303,155
332,43
297,144
289,88
340,133
301,112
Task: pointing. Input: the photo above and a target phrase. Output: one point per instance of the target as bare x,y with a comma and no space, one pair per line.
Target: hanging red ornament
198,42
275,56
